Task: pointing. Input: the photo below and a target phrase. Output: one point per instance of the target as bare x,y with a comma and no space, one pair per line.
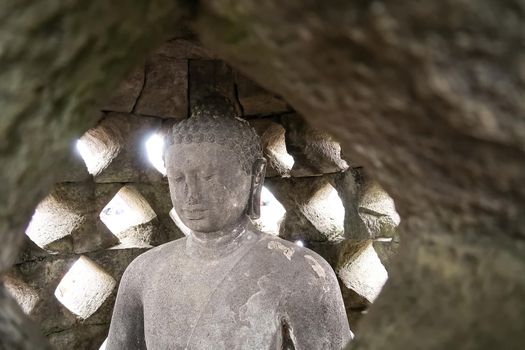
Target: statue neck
213,245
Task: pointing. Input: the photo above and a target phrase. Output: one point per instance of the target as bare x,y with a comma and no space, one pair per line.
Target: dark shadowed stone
125,96
183,48
75,169
210,77
165,90
255,100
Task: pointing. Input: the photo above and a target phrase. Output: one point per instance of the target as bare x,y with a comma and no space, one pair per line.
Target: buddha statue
226,285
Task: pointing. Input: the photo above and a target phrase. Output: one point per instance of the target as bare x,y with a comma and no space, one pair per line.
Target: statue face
209,190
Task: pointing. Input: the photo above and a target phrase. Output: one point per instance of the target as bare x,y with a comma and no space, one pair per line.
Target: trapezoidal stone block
314,211
165,90
315,152
84,288
125,96
115,150
211,77
25,295
130,218
273,144
255,100
361,270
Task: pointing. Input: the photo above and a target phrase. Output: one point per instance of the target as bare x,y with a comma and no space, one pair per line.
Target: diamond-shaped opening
326,212
26,296
126,215
52,221
272,213
154,149
84,288
98,147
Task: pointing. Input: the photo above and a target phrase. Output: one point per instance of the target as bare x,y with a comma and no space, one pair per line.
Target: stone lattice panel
84,288
66,220
127,160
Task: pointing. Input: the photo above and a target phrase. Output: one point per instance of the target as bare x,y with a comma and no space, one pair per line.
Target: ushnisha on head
215,167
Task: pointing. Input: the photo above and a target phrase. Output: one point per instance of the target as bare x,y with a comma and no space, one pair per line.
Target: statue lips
194,213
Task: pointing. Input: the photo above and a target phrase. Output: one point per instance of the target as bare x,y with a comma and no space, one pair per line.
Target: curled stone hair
214,120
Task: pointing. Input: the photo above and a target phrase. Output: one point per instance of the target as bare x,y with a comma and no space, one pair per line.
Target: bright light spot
272,213
88,156
154,149
299,243
384,239
127,209
175,217
84,288
103,346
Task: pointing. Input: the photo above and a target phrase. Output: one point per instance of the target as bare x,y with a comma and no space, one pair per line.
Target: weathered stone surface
75,169
84,337
427,97
165,92
273,143
125,96
118,145
314,151
255,100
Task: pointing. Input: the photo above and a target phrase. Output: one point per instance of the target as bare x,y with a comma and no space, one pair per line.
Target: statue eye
179,179
209,177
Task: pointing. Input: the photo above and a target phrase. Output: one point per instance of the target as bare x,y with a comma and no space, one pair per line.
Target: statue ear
258,172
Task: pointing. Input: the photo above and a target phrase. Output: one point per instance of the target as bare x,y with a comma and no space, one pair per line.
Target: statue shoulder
151,258
298,261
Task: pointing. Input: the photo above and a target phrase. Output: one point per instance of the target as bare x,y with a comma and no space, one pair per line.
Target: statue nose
192,190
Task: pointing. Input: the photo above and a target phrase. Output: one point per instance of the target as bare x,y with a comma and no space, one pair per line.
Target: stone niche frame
428,95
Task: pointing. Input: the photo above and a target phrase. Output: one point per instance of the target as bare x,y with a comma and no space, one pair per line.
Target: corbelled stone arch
426,96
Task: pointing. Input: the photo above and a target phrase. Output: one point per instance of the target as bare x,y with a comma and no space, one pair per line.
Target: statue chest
230,304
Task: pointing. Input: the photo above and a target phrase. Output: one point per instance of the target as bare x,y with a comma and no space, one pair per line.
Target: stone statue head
215,167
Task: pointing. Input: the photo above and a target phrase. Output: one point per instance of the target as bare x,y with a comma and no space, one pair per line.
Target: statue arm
315,314
127,323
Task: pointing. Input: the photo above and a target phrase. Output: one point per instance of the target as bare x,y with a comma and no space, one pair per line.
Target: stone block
273,144
255,100
75,169
84,287
315,152
210,77
361,270
125,96
314,211
377,210
165,90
